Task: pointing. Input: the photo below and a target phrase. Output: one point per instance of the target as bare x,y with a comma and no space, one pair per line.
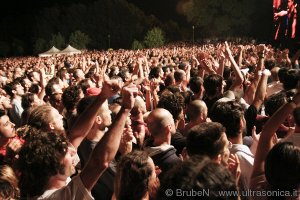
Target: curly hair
40,158
174,103
8,183
133,173
71,97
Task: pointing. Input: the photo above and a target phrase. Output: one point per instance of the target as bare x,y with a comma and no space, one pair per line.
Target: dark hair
274,102
71,97
212,84
84,85
174,103
2,112
27,100
290,79
154,72
49,87
179,75
84,103
282,166
229,114
198,174
34,88
206,139
195,84
133,173
40,158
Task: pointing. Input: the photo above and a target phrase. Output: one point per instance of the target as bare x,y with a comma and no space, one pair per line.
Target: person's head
156,72
34,88
5,102
63,74
53,86
78,74
179,75
274,102
231,115
196,85
197,111
174,103
7,128
103,118
85,84
8,183
208,139
198,174
169,80
30,100
136,177
213,85
282,167
139,108
14,89
161,123
71,96
46,118
290,79
34,76
49,157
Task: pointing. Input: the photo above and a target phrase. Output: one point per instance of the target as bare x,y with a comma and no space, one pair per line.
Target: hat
93,91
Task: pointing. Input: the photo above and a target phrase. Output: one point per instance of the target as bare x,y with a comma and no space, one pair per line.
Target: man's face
69,162
57,120
7,128
5,102
19,90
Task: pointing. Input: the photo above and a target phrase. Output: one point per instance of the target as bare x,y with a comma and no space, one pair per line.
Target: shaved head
158,119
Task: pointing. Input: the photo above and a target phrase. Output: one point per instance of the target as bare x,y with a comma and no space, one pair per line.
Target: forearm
105,151
260,92
85,122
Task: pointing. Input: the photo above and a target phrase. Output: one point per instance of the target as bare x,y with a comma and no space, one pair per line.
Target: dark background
24,22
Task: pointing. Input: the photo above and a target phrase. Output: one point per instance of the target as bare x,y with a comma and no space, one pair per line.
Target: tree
137,45
40,45
79,39
154,38
58,40
221,18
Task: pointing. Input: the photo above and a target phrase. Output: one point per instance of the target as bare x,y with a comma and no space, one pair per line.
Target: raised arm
238,74
265,142
85,121
107,147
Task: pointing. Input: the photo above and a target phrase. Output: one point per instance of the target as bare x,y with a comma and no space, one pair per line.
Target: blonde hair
39,117
9,183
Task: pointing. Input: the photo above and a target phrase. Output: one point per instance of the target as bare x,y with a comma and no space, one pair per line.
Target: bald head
158,120
196,109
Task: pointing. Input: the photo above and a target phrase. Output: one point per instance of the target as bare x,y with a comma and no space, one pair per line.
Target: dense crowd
177,122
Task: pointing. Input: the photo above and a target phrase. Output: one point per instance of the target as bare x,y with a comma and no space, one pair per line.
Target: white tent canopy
69,50
50,52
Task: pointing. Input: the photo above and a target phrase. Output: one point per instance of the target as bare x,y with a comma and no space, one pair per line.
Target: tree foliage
79,40
221,18
154,38
58,40
137,45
